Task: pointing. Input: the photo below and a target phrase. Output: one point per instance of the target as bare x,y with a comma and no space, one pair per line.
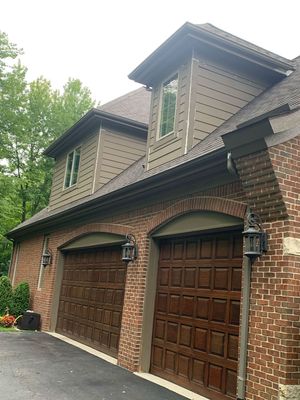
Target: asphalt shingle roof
241,42
285,92
133,105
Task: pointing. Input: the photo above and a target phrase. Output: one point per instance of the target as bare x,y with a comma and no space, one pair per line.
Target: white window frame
173,76
72,167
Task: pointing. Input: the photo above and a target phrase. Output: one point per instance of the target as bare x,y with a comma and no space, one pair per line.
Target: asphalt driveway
37,366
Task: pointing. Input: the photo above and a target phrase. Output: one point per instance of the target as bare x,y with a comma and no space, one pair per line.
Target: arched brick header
217,204
93,228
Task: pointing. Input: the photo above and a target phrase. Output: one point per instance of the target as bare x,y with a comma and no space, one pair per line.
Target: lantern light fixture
46,258
255,238
129,249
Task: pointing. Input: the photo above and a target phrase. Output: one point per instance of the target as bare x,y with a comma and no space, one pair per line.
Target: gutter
89,121
189,32
127,193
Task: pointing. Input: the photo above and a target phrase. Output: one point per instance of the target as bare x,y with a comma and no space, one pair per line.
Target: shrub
5,295
20,299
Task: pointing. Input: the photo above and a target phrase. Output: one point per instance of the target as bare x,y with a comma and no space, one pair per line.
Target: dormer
99,147
200,77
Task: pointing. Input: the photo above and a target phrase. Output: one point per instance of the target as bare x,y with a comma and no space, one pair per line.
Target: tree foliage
20,299
5,295
33,114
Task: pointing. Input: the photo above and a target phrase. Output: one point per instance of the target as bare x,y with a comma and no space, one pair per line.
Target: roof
244,43
134,105
204,36
130,110
285,92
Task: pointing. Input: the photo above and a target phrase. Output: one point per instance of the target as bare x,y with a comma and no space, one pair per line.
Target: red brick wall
285,160
271,183
138,222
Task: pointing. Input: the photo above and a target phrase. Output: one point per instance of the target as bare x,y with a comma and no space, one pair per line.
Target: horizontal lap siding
208,95
60,196
217,95
118,152
168,150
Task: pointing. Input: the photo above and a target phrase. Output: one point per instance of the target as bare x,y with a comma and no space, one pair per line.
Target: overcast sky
101,42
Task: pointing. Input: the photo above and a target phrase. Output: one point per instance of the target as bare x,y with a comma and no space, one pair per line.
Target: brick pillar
271,183
132,318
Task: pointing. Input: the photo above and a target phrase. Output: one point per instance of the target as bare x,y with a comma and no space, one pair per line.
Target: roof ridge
239,40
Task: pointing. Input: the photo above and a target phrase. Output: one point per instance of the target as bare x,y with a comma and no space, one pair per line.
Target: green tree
69,106
8,217
5,295
8,52
32,116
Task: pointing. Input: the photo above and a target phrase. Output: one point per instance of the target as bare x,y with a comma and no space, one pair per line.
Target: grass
7,329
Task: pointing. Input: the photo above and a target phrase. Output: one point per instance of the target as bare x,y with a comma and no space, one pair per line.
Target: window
72,168
168,106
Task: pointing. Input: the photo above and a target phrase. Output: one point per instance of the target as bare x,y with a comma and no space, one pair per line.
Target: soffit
96,239
197,222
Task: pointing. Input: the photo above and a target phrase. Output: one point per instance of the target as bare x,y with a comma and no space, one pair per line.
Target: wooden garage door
196,320
91,300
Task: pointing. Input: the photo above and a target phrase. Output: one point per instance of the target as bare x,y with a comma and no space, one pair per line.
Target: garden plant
13,303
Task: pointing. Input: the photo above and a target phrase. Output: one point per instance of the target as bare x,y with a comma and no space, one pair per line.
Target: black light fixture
46,258
129,249
255,238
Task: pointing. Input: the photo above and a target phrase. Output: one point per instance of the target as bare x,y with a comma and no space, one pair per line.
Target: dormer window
72,168
168,106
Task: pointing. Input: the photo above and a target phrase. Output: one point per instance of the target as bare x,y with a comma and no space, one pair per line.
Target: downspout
244,328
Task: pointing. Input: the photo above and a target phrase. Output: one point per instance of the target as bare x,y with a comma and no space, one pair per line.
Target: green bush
5,295
20,299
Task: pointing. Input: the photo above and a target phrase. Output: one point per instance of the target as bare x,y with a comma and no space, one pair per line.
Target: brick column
132,317
271,182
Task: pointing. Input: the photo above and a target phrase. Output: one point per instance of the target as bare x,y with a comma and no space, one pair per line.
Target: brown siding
117,152
208,95
170,147
61,196
217,95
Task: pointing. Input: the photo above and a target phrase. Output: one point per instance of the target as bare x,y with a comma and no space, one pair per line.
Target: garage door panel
231,383
92,294
196,322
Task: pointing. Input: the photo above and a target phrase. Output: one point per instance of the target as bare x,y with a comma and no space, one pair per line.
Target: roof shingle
134,105
285,92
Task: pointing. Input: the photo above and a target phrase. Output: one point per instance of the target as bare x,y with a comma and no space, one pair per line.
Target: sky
101,42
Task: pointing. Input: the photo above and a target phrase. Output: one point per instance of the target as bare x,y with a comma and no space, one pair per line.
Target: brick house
223,138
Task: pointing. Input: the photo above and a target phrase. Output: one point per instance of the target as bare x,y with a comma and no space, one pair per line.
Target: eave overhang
191,36
203,166
90,121
254,135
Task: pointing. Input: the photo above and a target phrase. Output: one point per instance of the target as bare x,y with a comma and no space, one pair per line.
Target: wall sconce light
129,249
46,258
255,238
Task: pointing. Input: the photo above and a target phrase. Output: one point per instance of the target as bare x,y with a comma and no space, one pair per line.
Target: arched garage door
91,299
196,319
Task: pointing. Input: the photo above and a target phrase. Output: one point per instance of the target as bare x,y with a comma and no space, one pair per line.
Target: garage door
196,320
91,300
